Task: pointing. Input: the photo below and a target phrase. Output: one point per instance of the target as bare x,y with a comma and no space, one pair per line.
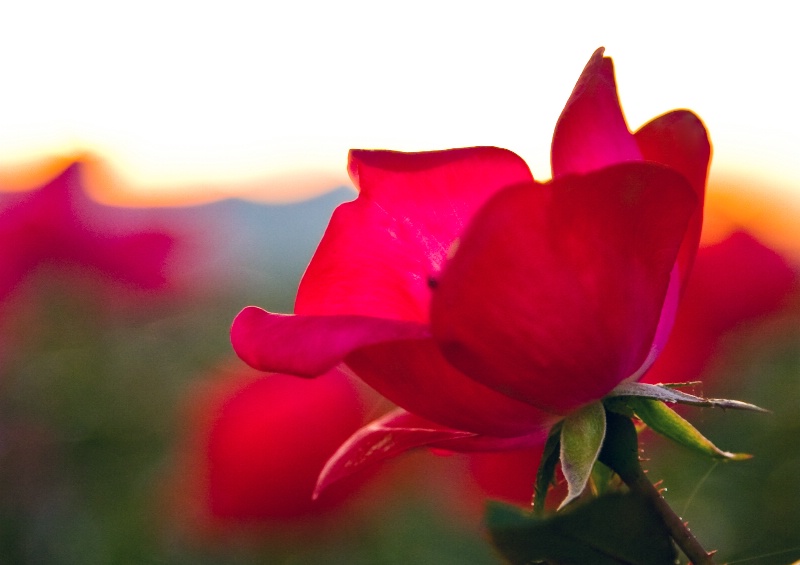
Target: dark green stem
678,530
621,453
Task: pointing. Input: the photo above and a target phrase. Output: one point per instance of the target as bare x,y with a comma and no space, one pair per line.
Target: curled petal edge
308,346
399,431
382,439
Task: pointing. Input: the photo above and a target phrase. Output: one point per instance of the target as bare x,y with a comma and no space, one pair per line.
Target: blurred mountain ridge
272,235
261,248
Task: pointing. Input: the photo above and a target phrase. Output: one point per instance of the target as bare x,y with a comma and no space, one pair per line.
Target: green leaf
547,468
582,434
666,393
611,530
664,420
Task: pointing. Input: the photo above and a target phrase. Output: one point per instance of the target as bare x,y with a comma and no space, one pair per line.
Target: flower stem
638,482
621,453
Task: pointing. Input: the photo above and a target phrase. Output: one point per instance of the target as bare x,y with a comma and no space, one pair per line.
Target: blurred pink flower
56,238
486,305
58,225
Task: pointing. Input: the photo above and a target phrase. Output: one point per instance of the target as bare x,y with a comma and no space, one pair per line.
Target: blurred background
164,164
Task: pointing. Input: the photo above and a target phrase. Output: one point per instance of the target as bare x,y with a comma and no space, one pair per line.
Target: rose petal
399,431
666,320
555,291
383,251
308,346
394,433
488,444
413,374
591,132
679,140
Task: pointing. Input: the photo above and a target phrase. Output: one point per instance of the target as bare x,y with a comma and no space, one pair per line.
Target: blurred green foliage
90,412
89,416
747,510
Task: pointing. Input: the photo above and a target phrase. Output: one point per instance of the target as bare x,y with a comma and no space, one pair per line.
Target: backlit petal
679,140
555,291
382,252
591,132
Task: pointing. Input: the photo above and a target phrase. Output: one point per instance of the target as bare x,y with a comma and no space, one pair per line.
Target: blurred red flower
486,305
254,446
734,281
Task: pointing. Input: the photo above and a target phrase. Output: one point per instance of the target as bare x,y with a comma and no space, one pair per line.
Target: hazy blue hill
260,246
252,247
271,235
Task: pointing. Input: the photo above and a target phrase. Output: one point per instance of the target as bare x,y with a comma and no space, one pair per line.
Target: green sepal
547,469
582,434
668,393
610,530
665,421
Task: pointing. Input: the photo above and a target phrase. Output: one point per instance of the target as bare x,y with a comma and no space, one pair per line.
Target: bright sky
196,100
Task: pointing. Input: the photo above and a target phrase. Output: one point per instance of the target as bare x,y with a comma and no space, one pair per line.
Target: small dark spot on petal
433,284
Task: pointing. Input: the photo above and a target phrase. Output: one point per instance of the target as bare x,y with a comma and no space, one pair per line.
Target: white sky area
264,99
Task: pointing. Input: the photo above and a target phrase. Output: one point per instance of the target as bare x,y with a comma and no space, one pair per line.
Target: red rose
485,304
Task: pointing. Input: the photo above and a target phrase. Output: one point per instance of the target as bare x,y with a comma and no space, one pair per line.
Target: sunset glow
183,102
